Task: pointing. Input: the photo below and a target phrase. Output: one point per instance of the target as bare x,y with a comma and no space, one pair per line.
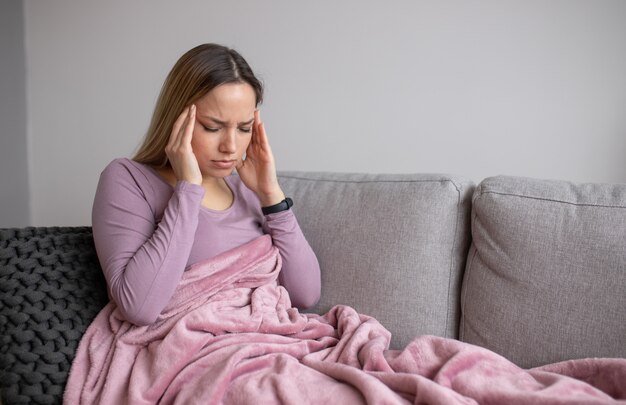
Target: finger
189,125
254,132
262,135
243,163
178,124
257,125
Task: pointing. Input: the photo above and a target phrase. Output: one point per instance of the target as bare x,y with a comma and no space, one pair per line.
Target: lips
223,164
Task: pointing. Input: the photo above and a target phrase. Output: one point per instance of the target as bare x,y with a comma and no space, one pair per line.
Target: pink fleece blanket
230,335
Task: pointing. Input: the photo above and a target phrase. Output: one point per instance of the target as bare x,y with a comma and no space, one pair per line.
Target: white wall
478,88
14,196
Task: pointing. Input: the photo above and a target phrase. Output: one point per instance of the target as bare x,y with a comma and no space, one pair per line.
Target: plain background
475,88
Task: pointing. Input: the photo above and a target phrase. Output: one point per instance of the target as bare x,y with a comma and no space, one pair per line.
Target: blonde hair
196,73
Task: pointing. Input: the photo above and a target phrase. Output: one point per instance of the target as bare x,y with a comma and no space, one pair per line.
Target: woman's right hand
179,151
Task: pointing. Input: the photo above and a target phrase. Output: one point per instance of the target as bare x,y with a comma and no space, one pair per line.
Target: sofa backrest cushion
391,246
546,272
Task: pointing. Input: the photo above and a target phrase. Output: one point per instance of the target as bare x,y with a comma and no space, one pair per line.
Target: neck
211,183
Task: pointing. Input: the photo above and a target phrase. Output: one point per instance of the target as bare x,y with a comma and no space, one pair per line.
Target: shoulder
124,165
123,176
124,182
124,170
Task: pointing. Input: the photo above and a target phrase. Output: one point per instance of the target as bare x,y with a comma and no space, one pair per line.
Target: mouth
224,164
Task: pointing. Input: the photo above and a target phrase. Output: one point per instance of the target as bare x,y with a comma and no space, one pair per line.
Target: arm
142,262
300,273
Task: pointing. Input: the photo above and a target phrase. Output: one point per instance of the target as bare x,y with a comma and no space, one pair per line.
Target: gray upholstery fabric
391,246
546,272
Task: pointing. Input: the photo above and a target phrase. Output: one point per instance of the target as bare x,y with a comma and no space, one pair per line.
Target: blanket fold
230,335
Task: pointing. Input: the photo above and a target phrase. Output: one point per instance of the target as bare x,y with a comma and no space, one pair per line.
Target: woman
177,203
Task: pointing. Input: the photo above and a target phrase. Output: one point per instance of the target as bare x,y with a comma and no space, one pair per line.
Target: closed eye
210,129
246,129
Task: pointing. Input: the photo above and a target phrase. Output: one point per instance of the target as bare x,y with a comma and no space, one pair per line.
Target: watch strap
284,205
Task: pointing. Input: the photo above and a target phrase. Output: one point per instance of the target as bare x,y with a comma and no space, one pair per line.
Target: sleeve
300,273
142,261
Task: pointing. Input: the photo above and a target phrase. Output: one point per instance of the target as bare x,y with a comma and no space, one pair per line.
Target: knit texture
51,288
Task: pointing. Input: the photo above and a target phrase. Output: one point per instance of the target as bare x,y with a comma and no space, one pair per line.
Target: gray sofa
534,270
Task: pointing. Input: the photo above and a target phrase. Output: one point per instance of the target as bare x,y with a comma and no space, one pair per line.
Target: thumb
242,167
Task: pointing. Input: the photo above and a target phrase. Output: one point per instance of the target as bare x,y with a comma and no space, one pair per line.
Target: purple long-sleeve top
147,232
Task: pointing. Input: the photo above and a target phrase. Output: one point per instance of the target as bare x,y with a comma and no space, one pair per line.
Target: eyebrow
220,122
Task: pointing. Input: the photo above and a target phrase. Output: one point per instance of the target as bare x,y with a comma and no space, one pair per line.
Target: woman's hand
179,151
258,171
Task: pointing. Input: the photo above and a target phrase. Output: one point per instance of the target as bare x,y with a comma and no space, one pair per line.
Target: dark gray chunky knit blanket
51,288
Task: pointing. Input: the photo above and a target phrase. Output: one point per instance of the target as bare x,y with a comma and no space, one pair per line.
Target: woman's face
223,128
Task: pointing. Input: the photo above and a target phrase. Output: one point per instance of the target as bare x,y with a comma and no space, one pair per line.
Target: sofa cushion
51,287
391,246
546,272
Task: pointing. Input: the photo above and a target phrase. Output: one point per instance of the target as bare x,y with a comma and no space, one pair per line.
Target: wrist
271,199
284,205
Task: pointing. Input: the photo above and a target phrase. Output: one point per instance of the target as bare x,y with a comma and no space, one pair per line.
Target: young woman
177,202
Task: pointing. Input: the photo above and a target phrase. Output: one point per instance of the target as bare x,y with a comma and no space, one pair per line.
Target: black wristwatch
284,205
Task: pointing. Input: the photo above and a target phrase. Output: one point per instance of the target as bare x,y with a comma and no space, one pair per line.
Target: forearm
143,264
300,273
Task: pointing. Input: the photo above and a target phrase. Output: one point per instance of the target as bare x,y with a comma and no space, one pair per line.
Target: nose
228,141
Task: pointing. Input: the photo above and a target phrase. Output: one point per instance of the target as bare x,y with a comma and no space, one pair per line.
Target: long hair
196,73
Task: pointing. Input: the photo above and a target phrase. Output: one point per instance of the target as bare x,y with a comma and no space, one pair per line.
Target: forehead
228,99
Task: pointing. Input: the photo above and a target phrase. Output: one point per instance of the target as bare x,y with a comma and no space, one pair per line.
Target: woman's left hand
258,170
